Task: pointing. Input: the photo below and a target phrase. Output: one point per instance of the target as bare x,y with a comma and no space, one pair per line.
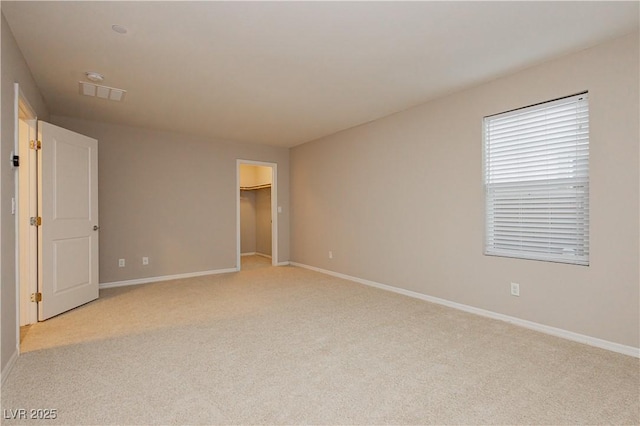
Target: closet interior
255,210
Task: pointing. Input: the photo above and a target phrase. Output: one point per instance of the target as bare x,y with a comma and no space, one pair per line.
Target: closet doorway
257,211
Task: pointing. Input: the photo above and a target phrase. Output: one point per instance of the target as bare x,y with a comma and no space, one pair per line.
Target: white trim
166,278
18,99
7,368
255,253
558,332
16,203
286,263
21,100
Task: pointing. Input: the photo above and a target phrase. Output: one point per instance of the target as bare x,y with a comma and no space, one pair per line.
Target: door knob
96,227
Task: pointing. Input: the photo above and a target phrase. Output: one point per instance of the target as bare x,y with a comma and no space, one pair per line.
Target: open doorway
56,213
257,214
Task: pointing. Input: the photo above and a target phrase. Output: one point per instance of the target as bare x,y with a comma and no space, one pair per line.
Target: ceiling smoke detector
94,76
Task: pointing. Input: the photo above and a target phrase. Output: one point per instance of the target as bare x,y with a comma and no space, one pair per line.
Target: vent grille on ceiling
104,92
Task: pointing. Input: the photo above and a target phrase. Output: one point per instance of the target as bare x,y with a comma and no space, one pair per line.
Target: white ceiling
284,73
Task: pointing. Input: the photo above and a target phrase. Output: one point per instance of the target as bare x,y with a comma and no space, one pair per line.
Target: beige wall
252,175
263,221
400,200
172,198
13,70
247,221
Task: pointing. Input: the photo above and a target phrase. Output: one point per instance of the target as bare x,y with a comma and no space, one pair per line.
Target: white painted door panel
68,206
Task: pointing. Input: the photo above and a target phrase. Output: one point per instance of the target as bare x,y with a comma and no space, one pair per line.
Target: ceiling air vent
104,92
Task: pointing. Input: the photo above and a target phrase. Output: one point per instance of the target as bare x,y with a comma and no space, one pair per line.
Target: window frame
576,251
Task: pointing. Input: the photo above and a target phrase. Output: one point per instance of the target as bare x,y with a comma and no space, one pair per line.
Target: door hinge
35,221
36,297
35,145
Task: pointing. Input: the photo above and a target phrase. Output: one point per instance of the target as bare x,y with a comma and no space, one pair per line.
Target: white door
68,206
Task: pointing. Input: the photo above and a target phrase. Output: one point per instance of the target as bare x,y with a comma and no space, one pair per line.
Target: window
536,177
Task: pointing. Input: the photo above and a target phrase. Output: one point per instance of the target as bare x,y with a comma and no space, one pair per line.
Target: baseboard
166,278
7,368
285,263
558,332
255,253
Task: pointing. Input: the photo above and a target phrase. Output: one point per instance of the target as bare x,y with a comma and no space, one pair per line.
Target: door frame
274,209
26,312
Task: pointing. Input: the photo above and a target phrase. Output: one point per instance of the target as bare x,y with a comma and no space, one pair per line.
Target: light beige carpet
291,346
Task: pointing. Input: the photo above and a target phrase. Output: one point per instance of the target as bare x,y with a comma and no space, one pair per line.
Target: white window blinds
536,167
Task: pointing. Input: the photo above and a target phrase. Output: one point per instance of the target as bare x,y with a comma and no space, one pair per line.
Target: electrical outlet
145,260
330,254
121,263
515,289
